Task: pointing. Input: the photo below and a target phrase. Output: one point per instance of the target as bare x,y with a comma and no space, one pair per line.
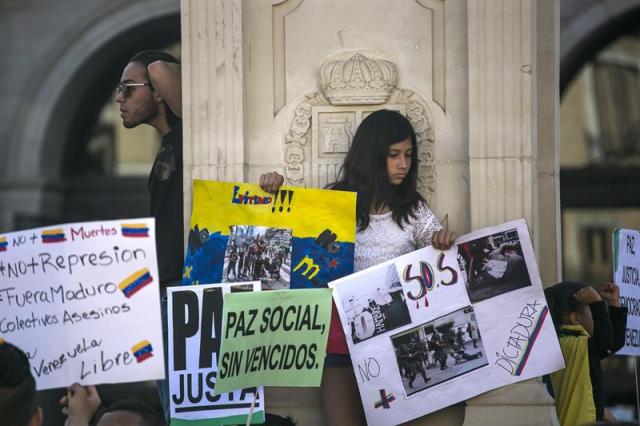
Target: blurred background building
66,157
600,149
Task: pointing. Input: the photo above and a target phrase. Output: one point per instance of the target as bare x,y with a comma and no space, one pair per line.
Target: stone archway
588,26
599,173
81,71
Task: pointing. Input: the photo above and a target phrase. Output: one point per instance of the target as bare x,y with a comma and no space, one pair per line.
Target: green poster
273,338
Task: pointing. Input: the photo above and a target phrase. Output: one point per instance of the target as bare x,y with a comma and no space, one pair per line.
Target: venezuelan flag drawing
53,236
142,350
3,244
135,282
135,230
535,332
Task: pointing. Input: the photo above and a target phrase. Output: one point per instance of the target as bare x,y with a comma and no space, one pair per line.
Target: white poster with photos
457,323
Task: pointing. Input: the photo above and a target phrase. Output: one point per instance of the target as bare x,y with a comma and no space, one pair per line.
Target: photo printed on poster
377,310
439,350
258,253
493,265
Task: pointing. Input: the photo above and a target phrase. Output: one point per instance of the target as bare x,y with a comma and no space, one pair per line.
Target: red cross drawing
385,401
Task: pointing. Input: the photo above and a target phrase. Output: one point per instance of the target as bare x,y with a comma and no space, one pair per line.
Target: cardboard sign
626,249
82,300
195,333
297,238
274,338
433,328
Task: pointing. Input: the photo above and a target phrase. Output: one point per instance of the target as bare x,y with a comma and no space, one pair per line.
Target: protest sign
296,238
195,333
626,265
274,338
457,323
82,301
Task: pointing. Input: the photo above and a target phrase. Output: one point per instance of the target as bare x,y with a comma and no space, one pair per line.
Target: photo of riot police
373,311
439,350
493,265
258,253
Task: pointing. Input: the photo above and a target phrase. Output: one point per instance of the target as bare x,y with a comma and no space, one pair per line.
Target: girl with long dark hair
392,219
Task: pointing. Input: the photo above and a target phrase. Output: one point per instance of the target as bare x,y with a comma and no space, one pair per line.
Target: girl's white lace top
383,239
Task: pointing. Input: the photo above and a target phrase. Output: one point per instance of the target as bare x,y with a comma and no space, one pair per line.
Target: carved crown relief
358,80
325,122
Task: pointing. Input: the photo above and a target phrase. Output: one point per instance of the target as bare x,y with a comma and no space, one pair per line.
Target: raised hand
587,295
271,182
611,293
80,404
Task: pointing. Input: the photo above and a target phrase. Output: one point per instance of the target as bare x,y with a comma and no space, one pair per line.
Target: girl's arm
428,230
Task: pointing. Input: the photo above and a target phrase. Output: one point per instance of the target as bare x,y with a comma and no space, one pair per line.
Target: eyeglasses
125,88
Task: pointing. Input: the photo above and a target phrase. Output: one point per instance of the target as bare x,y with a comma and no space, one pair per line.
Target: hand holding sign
80,404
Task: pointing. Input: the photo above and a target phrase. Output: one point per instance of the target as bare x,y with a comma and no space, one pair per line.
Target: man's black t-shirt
165,189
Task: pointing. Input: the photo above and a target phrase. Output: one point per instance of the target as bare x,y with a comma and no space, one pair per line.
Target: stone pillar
510,147
212,93
511,127
502,144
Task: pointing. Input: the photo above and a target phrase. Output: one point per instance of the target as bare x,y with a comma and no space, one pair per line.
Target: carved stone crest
324,122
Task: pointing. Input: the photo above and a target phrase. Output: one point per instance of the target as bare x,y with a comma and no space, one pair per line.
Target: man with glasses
150,93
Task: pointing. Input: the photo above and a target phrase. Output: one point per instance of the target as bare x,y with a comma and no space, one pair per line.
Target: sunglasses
125,88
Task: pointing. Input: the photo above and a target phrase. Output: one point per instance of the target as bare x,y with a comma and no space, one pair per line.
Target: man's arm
166,78
601,342
601,338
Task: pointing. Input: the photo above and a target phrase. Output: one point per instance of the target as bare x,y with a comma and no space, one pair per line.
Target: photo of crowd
493,265
258,253
371,313
439,350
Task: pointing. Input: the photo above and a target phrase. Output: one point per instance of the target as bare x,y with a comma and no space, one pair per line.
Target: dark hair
147,57
17,386
561,299
148,415
365,168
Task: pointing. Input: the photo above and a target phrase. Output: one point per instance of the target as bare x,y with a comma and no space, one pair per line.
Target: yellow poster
296,238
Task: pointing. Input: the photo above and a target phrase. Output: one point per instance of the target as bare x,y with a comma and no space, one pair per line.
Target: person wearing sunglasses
149,93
